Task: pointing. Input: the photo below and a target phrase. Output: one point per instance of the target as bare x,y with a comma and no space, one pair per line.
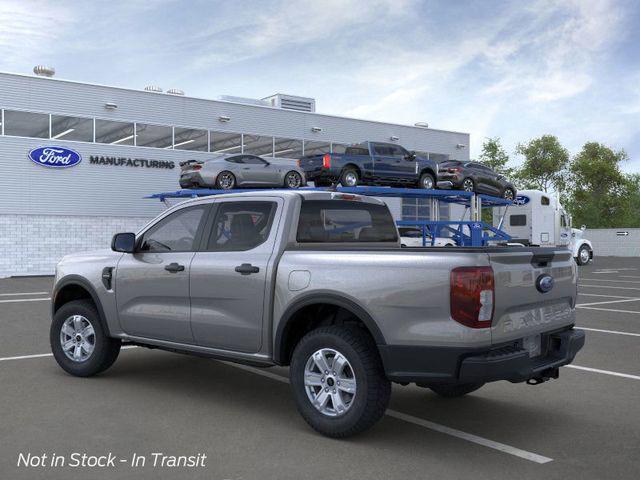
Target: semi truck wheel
79,343
338,381
455,390
584,255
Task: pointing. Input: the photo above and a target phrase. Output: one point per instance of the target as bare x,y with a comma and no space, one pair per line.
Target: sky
509,69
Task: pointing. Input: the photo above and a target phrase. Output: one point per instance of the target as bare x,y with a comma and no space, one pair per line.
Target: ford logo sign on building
55,157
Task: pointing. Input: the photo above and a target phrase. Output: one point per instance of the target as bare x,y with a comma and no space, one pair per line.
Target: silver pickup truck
318,281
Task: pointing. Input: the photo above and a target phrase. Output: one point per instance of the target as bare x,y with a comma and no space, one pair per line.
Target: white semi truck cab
538,219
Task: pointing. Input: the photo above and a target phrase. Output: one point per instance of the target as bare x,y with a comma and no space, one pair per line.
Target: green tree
600,194
545,164
494,156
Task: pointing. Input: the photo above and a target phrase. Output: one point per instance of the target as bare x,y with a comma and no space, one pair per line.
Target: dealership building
128,144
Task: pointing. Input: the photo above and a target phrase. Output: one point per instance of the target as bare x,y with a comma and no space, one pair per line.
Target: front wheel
427,181
584,255
79,343
455,390
338,381
293,180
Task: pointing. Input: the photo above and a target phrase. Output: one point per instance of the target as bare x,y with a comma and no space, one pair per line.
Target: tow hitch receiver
544,376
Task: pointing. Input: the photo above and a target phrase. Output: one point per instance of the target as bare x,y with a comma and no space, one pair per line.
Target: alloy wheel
293,180
467,185
427,182
226,181
330,382
350,179
508,194
77,338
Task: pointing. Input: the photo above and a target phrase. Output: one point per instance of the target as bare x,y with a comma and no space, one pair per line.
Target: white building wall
612,242
33,244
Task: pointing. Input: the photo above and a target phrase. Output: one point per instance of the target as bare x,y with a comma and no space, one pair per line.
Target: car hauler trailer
471,232
537,218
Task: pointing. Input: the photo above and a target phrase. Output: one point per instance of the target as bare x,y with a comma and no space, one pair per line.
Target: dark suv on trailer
371,163
474,177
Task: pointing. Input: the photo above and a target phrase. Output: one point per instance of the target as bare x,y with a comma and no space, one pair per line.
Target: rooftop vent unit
175,91
244,100
43,71
153,88
291,102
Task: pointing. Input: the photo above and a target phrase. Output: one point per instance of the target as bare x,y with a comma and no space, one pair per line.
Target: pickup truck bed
319,281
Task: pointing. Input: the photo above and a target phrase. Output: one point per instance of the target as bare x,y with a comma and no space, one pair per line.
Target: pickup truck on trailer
318,281
371,163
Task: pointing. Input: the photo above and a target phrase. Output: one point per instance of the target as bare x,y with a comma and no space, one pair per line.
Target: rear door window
240,226
344,221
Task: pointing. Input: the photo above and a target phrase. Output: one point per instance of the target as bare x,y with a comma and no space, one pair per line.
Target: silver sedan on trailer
225,172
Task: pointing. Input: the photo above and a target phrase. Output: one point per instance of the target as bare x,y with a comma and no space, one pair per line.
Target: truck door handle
174,268
247,269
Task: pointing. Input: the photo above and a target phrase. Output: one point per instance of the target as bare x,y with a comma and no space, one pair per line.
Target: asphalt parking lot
584,425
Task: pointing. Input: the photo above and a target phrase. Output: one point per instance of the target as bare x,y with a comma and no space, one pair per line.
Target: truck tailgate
522,306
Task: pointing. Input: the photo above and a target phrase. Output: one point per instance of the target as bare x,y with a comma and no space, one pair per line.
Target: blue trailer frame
479,232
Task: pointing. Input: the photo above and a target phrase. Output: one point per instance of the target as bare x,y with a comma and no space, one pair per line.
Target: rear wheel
338,381
79,342
455,390
508,194
468,185
427,181
584,255
225,180
349,177
293,180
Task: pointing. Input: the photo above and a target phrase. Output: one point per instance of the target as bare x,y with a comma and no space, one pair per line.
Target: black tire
346,176
373,388
424,179
105,351
465,185
221,183
509,194
455,390
292,173
581,251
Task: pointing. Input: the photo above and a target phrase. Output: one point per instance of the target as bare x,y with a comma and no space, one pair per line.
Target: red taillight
454,170
326,161
471,299
196,167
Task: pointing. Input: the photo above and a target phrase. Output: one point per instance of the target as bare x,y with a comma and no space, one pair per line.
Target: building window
115,133
26,124
257,145
71,128
225,142
287,148
338,148
316,148
157,136
190,139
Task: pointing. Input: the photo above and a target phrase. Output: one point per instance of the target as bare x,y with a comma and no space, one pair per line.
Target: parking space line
517,452
606,372
18,300
582,294
629,276
610,286
40,355
616,332
605,302
608,301
609,309
609,280
24,293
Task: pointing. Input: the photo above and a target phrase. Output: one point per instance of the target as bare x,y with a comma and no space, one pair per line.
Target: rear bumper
430,365
192,179
321,173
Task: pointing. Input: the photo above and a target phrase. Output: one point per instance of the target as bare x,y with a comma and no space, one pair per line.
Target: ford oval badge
521,200
544,283
55,157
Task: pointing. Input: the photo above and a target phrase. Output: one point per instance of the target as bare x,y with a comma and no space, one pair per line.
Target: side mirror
410,156
124,242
